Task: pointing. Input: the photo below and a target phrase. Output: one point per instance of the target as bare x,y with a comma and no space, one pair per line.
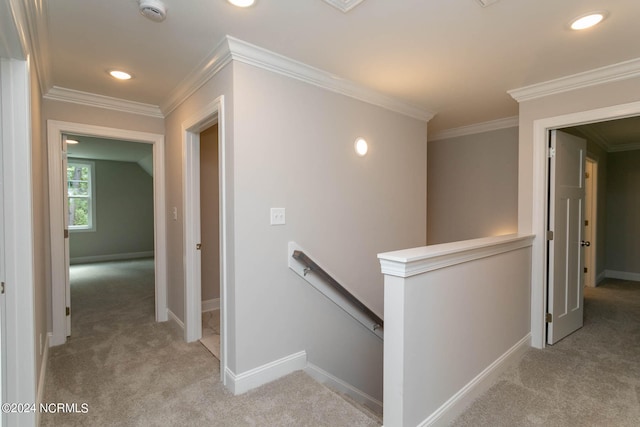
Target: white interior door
67,284
566,221
3,345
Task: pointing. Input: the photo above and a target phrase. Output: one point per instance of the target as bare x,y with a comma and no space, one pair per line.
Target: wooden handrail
311,266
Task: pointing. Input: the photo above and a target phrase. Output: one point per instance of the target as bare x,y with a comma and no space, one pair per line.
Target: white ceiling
108,149
452,57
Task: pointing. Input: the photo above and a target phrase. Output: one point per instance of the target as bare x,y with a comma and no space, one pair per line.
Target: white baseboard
43,374
600,277
175,321
623,275
110,257
453,407
340,386
241,383
211,305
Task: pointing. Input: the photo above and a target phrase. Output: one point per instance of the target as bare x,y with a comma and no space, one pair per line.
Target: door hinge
67,311
586,174
586,269
548,318
66,233
586,222
549,235
198,246
552,152
1,287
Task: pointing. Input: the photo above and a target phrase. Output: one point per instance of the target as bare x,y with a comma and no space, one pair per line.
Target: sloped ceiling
452,57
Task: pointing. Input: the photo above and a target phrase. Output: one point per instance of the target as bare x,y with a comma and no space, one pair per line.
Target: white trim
175,322
538,220
43,375
344,5
16,142
37,18
610,73
410,262
248,380
324,377
111,257
211,305
55,130
191,128
231,48
73,96
505,123
622,275
330,292
457,403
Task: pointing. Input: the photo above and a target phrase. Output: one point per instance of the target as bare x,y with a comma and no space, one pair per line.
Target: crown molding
610,73
344,5
101,101
253,55
215,61
507,122
37,17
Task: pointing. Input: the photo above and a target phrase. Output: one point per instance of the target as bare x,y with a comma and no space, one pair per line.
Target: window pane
78,212
78,188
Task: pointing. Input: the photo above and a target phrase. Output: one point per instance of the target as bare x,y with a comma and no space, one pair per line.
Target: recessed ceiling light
583,22
242,3
71,141
120,75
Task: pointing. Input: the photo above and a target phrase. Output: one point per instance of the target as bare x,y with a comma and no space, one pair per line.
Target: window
81,198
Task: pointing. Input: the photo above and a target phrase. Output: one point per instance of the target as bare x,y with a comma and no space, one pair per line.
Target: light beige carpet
591,378
132,371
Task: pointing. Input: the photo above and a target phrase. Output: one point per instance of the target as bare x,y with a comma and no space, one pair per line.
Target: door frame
541,128
191,127
590,279
55,130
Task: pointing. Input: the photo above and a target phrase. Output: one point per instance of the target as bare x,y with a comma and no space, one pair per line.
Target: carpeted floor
131,371
591,378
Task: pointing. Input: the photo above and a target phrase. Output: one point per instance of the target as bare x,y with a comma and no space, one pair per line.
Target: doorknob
585,243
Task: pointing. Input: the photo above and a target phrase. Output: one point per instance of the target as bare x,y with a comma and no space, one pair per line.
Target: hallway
591,378
132,371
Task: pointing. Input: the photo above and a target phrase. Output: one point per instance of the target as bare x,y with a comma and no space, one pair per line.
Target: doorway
210,239
59,262
210,115
541,128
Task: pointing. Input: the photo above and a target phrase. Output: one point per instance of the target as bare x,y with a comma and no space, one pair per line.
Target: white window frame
92,195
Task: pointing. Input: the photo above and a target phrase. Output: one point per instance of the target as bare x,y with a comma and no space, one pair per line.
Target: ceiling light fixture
588,20
120,75
242,3
361,147
71,141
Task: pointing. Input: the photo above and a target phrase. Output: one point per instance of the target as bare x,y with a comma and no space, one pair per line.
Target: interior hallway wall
623,212
472,186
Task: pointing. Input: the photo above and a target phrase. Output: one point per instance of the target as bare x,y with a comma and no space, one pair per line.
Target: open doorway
60,293
111,230
210,239
541,128
207,119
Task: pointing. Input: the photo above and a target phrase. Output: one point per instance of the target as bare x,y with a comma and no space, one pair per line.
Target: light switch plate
277,216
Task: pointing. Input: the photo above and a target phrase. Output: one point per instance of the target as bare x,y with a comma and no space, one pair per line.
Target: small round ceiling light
242,3
120,75
361,147
588,20
71,141
155,10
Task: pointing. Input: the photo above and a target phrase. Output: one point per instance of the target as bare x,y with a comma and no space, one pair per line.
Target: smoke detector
153,9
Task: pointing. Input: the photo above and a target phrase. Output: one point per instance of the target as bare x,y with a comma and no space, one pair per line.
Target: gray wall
623,212
281,152
472,186
124,213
